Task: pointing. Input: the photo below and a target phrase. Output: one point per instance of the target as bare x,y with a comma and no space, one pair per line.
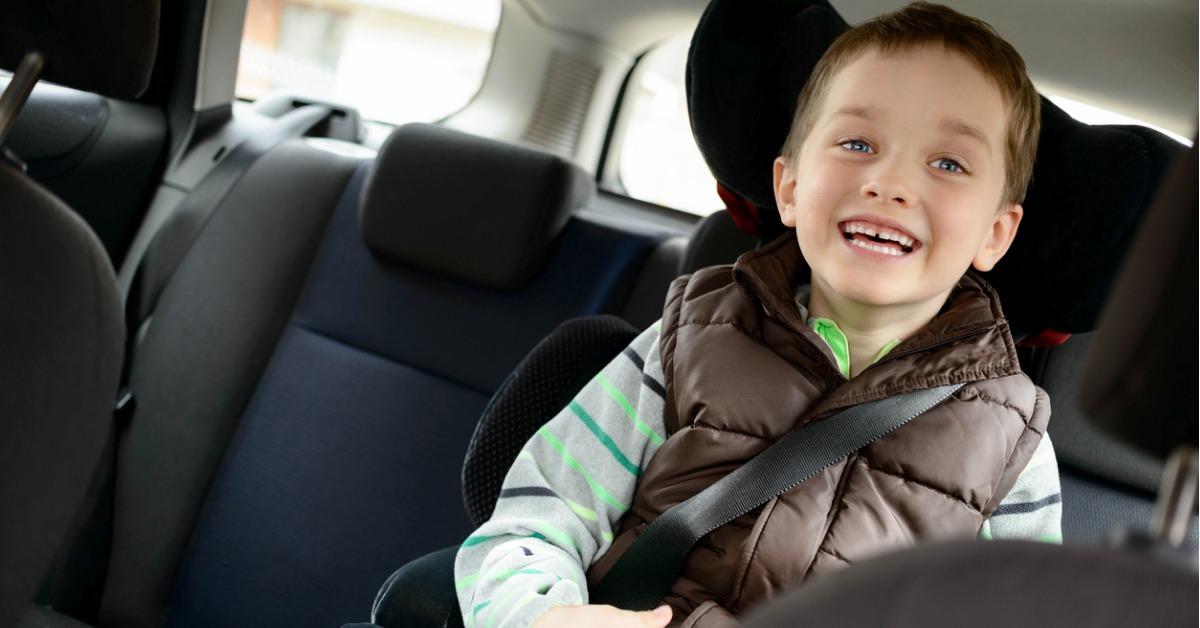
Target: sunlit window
1095,115
394,60
659,161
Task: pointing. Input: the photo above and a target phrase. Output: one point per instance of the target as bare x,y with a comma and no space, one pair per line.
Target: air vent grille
562,105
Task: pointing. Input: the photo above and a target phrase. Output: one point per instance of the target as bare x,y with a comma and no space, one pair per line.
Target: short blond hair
923,23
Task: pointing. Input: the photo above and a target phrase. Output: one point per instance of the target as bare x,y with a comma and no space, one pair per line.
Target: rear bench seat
314,370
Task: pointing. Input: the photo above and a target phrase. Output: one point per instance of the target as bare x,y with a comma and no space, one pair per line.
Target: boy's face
907,146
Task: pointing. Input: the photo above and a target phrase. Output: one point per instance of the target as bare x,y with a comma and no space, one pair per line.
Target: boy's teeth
883,233
878,248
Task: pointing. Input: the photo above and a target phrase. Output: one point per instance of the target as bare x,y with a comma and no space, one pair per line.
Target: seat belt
643,575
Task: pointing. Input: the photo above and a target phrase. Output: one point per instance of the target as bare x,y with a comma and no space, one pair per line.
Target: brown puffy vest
742,369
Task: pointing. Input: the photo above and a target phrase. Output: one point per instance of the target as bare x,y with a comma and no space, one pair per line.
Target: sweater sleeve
564,494
1032,510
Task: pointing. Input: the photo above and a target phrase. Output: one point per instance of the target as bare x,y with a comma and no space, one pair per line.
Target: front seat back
61,330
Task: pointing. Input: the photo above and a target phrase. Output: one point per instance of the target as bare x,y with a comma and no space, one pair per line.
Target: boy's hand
603,616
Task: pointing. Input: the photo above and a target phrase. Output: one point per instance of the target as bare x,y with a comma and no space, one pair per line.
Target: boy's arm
1033,508
564,494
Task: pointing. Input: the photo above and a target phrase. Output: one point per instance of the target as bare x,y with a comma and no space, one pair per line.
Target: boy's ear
785,191
1003,231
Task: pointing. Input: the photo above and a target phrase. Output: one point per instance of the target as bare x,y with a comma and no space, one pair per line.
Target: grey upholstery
645,304
41,617
716,240
62,337
102,47
507,205
1078,442
1095,510
999,584
1107,483
221,316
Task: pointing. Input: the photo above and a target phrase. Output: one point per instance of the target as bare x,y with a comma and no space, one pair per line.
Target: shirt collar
833,335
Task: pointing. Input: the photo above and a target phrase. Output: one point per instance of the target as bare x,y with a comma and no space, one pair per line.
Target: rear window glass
395,60
659,161
1096,115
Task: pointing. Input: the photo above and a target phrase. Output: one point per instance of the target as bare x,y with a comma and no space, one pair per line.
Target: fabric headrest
746,66
475,209
102,47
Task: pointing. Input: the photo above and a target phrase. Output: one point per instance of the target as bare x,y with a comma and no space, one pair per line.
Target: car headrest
471,208
1138,378
746,66
102,47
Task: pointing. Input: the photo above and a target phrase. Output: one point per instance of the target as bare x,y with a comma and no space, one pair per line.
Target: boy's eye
857,146
949,165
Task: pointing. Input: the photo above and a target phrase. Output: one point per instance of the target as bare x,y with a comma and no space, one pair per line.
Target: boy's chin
872,292
874,297
864,287
875,291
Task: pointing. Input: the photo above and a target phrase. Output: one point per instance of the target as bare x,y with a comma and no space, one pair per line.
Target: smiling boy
913,143
906,163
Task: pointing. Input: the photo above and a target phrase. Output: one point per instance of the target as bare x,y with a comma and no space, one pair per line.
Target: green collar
833,336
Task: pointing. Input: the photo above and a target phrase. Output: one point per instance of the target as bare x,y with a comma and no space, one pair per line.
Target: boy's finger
656,618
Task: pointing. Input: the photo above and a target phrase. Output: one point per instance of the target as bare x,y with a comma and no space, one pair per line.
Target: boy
910,151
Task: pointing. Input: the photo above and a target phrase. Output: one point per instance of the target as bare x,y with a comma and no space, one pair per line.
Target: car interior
268,346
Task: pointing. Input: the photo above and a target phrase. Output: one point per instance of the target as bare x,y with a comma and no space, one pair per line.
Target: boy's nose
887,190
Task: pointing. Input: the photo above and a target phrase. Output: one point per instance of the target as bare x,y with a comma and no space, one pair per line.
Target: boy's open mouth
874,237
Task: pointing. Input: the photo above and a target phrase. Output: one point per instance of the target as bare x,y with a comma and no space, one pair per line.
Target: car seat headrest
746,66
471,208
102,47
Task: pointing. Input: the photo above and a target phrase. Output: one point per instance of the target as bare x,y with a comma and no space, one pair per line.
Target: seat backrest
716,240
61,334
316,366
1036,584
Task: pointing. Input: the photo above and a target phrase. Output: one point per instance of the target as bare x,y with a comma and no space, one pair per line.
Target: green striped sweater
569,486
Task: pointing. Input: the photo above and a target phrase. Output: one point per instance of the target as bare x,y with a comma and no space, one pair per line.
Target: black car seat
315,367
1146,579
60,312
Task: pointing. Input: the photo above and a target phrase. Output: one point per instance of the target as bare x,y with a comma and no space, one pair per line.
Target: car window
658,160
395,60
1097,115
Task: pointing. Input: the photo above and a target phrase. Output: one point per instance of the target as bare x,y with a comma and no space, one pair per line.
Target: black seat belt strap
645,572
